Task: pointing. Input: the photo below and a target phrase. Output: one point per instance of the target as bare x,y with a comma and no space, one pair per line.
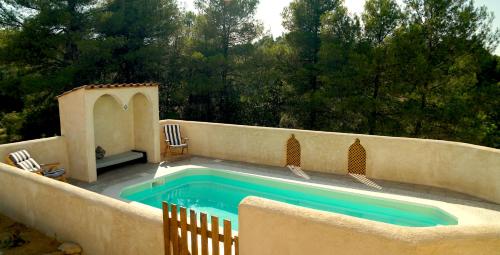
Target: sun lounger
23,160
174,139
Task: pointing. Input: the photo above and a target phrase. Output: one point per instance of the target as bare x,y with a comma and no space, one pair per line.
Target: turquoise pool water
218,192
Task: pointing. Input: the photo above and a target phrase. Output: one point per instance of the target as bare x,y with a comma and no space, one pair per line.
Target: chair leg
167,151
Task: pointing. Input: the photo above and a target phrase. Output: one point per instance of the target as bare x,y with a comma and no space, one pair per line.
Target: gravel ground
17,239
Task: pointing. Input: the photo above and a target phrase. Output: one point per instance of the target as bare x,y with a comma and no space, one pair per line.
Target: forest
422,68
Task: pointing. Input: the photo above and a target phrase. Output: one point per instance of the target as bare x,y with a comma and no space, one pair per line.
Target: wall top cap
110,86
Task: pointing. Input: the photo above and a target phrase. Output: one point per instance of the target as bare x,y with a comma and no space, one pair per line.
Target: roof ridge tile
110,85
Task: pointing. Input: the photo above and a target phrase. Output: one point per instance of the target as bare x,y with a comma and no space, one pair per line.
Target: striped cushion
19,156
173,134
23,160
29,165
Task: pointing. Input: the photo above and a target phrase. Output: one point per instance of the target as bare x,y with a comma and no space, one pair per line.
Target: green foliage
303,20
264,91
380,18
442,61
36,119
135,36
342,67
11,125
420,69
220,44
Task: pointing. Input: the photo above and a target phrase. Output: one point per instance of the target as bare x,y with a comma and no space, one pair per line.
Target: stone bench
120,159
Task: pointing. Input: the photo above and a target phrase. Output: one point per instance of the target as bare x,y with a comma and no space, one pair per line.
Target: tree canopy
423,68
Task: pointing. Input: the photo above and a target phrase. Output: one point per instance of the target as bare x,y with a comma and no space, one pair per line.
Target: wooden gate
178,242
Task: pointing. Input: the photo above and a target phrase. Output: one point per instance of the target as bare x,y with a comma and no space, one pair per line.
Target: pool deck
469,210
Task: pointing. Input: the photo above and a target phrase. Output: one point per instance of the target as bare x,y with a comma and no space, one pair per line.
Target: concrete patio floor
468,209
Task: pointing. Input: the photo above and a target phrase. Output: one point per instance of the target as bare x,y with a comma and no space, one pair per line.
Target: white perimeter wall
461,167
101,225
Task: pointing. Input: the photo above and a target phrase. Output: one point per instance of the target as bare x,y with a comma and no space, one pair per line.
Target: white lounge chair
174,139
23,160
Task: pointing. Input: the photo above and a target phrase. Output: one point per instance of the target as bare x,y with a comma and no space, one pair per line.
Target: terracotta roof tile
113,85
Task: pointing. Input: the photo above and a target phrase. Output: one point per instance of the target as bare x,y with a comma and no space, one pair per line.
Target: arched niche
113,129
143,121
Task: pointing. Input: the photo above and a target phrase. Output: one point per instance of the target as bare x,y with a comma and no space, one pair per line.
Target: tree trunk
226,113
372,119
420,118
71,51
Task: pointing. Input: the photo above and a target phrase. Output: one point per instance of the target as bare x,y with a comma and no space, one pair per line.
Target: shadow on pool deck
112,182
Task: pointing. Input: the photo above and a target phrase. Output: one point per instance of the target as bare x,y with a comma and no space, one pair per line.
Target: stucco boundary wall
44,151
269,227
101,225
466,168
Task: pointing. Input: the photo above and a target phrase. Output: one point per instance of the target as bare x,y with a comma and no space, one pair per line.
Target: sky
269,12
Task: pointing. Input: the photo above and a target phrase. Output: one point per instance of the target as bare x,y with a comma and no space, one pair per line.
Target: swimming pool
219,192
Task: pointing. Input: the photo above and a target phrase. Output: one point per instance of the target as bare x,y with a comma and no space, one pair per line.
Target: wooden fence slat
236,246
194,234
204,235
179,244
228,237
174,234
184,238
209,233
215,235
166,228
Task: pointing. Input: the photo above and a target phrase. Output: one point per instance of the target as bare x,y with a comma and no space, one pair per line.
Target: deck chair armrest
184,139
50,166
40,172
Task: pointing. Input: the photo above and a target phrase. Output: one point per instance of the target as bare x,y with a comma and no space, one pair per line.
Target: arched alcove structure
117,117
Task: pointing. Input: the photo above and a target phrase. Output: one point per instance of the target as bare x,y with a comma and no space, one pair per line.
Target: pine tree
224,32
302,19
380,18
135,37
